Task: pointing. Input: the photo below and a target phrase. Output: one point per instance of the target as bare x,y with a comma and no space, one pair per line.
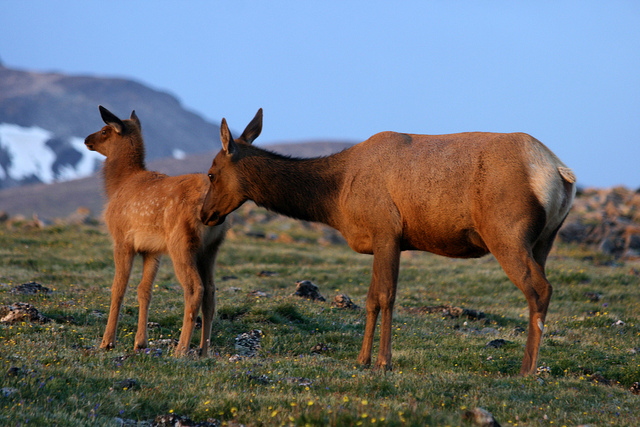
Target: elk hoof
382,366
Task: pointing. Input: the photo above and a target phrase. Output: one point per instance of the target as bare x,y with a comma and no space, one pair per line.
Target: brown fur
149,213
461,195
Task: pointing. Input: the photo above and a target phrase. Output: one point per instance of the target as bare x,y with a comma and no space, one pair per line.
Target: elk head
108,139
226,191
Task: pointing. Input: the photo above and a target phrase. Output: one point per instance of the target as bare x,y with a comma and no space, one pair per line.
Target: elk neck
306,189
120,167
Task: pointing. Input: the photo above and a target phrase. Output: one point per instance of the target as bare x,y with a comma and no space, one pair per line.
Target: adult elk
149,213
461,195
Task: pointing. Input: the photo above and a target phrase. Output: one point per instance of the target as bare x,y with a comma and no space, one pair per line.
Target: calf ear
111,119
135,119
253,129
229,146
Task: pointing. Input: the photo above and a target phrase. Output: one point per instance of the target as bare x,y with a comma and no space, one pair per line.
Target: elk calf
149,213
461,195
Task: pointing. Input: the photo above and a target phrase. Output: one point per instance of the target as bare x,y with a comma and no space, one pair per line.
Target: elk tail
567,174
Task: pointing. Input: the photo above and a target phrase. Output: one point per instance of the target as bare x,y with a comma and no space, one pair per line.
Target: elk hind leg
187,274
528,275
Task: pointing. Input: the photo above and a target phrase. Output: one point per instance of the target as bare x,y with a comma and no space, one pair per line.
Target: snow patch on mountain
34,154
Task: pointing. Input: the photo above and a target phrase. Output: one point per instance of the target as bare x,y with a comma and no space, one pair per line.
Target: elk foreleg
123,259
381,299
187,273
151,262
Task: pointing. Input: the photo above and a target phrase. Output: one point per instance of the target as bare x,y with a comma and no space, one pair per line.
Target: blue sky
566,72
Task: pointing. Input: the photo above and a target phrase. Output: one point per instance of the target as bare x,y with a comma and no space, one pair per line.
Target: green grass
53,374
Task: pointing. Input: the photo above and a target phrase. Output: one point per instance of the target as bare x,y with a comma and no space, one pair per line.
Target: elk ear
111,119
135,119
253,129
229,146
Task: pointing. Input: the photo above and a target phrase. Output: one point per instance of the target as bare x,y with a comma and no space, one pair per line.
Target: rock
574,232
635,388
343,301
331,237
81,216
593,296
7,391
266,273
128,384
21,312
14,371
309,290
320,348
448,311
248,343
496,343
258,294
301,381
480,417
173,420
519,330
262,379
30,288
543,371
598,378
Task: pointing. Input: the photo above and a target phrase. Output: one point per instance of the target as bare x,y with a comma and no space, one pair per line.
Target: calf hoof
107,346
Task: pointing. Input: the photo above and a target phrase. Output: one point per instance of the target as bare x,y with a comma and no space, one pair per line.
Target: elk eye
211,177
104,131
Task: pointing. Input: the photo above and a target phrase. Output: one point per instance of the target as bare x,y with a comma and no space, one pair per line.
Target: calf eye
211,177
104,131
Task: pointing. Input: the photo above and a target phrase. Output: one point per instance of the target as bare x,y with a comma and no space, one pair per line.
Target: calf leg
123,258
151,262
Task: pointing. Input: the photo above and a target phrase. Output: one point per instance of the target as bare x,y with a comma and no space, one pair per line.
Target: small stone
593,296
258,294
481,417
309,290
267,273
343,301
7,391
129,383
496,343
320,348
301,381
21,312
248,343
30,288
635,388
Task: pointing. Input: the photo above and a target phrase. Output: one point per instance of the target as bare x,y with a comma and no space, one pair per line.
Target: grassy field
53,373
